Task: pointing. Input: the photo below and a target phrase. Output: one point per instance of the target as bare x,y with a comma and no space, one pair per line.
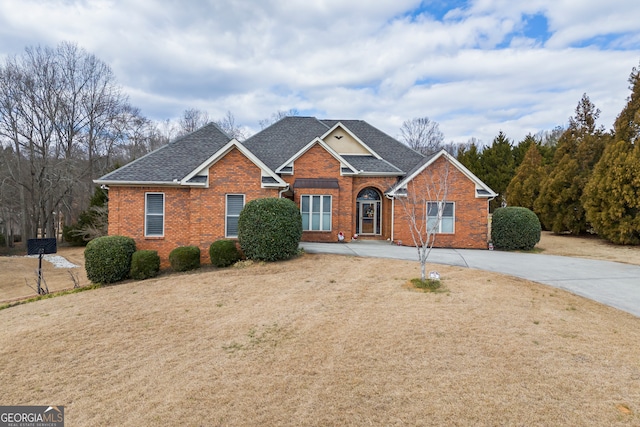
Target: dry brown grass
588,247
324,340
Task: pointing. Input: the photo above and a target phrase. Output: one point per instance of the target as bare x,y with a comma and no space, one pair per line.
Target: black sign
41,246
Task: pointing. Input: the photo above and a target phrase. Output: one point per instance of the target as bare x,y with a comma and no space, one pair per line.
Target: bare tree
58,110
278,115
229,126
426,209
422,134
192,119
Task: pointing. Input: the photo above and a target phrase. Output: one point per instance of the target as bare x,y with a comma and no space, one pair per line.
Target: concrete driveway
611,283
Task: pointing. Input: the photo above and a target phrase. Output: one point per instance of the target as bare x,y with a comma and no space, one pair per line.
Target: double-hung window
440,217
154,215
316,213
235,203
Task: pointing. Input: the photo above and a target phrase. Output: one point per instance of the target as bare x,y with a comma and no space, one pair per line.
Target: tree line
578,179
64,121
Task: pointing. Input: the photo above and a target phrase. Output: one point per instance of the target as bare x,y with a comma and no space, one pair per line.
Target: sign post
41,247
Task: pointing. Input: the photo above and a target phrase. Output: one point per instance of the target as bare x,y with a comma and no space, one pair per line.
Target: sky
476,67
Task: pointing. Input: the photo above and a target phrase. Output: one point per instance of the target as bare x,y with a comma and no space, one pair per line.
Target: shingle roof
280,141
372,165
390,149
273,146
173,161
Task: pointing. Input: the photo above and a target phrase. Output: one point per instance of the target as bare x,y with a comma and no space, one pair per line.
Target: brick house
346,176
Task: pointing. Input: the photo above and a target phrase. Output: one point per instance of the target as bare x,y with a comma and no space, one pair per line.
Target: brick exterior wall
471,213
196,216
193,216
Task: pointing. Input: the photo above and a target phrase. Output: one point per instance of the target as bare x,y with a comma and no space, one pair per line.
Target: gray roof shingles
390,149
175,160
273,146
372,165
280,141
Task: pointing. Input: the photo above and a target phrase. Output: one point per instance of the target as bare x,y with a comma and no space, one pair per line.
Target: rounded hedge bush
185,258
224,253
144,264
270,229
107,259
515,228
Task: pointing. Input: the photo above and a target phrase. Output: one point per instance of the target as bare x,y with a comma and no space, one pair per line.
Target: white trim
324,145
321,212
353,135
234,143
146,213
479,184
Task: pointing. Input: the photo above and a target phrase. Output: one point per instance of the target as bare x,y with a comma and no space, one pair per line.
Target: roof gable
278,143
171,163
269,178
344,142
344,165
386,147
482,189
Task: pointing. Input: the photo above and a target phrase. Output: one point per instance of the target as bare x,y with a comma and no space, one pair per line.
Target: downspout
283,191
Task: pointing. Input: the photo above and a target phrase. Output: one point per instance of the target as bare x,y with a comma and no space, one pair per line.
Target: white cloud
475,71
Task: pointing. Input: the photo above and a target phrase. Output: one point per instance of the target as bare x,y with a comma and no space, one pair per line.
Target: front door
368,212
368,217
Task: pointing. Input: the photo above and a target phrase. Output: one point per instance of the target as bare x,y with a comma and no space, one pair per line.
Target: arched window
369,212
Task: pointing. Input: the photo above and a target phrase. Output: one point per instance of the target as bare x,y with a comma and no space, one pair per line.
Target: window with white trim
440,217
154,215
316,212
235,203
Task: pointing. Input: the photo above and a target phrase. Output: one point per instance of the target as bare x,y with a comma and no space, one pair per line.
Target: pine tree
520,150
612,196
498,168
524,188
559,204
470,157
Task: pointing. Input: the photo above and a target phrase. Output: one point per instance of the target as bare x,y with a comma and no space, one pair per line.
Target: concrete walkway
611,283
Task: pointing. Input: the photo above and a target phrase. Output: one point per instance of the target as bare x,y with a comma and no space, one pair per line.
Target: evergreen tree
612,196
520,150
559,204
470,156
524,188
498,168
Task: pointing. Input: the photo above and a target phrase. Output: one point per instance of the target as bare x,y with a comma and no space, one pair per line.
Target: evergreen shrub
185,258
270,229
515,228
144,264
107,259
224,253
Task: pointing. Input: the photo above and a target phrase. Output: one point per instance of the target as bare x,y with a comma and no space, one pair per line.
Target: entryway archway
369,212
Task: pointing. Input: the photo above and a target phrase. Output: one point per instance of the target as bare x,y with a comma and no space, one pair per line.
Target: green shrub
3,241
224,253
185,258
107,259
270,229
515,228
144,264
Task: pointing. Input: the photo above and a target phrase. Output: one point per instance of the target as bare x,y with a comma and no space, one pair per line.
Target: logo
31,416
